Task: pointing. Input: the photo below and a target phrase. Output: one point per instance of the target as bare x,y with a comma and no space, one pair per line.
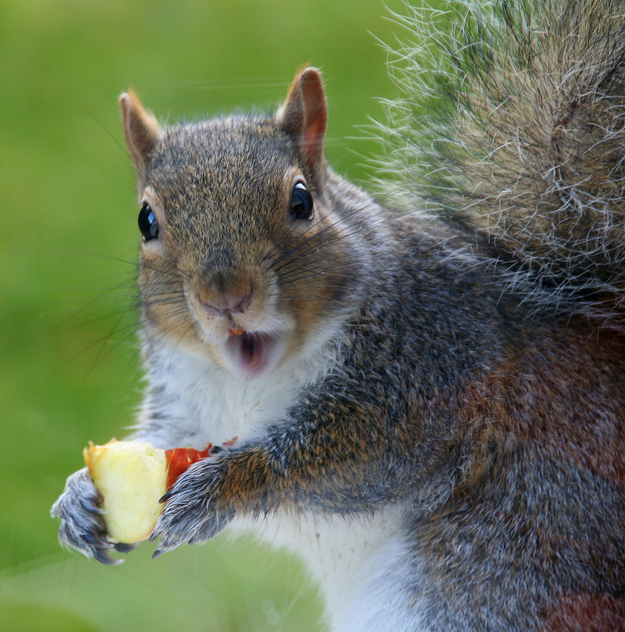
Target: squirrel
430,402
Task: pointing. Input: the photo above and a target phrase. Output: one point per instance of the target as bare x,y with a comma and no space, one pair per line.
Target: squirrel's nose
218,300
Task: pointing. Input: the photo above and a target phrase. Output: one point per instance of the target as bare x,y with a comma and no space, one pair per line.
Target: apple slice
132,477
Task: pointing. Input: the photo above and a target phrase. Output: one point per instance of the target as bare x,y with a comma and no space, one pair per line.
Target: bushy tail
512,124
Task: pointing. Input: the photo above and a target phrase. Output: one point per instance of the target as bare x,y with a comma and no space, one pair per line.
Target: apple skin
180,459
132,477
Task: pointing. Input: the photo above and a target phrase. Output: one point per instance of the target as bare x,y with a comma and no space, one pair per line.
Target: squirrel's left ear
304,116
140,129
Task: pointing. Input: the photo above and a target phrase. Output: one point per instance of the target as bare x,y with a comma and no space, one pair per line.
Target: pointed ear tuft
304,116
140,129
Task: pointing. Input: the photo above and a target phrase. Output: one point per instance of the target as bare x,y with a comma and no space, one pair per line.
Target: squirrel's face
243,253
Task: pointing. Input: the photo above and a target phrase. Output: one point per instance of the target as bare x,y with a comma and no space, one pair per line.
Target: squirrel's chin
252,354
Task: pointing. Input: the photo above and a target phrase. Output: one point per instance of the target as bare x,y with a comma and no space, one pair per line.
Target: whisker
101,355
311,242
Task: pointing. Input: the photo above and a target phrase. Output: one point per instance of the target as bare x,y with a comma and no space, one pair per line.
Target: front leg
207,496
326,456
194,512
82,525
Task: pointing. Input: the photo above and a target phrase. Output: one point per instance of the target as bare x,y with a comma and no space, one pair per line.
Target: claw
122,547
165,497
90,506
104,558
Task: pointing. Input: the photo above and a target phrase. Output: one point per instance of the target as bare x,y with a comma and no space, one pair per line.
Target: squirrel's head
245,252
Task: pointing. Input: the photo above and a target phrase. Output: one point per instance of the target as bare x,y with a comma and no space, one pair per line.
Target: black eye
147,223
301,202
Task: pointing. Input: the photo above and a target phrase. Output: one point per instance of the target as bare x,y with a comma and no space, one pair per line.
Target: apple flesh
132,477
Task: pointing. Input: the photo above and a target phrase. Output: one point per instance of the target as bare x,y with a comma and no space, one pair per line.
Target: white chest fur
195,401
363,564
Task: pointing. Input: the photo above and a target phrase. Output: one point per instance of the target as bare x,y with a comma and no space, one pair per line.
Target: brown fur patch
565,394
587,613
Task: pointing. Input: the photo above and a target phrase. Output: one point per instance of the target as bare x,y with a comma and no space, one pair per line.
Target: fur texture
512,125
444,450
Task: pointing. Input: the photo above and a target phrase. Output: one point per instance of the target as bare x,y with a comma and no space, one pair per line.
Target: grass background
68,243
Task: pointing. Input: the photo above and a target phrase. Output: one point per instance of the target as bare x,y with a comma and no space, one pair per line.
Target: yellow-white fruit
132,477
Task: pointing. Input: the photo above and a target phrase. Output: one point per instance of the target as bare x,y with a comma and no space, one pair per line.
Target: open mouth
253,353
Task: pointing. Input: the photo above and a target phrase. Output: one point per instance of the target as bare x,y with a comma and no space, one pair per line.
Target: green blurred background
68,243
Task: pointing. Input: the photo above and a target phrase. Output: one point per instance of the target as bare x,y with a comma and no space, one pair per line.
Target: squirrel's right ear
140,129
304,116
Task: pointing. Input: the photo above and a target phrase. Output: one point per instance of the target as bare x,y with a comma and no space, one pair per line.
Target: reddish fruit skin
180,459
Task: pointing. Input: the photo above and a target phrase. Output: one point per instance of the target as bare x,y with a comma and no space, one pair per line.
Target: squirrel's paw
192,512
82,526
